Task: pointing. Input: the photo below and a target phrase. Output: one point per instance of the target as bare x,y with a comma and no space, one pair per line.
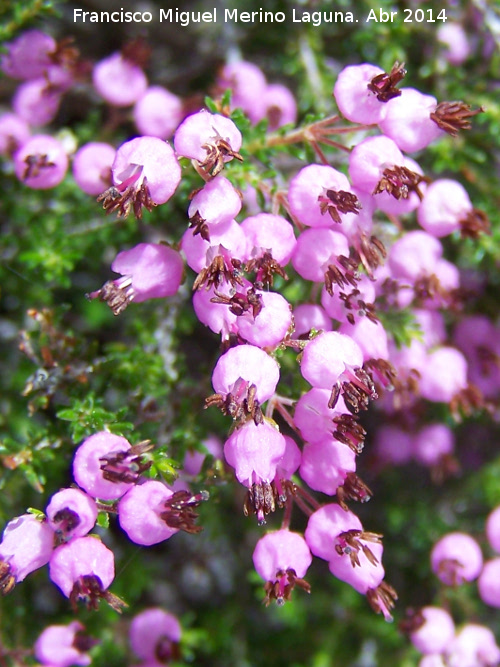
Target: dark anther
384,85
334,202
400,182
454,116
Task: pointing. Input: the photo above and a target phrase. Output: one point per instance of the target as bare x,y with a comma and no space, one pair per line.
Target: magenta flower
329,356
280,107
314,418
432,443
254,451
217,203
493,529
248,88
282,559
453,36
267,233
393,445
154,636
370,336
216,316
488,584
269,328
319,249
240,368
14,131
119,81
456,558
158,112
71,513
27,545
211,139
226,239
324,526
444,375
63,645
414,255
346,304
106,465
446,207
325,465
92,167
28,56
83,569
434,630
41,162
37,101
320,195
145,173
407,120
473,646
149,271
354,98
309,317
151,512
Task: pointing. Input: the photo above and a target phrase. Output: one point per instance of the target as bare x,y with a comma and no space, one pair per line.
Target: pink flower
217,203
71,513
327,357
27,545
211,139
154,635
435,632
103,466
407,120
14,131
269,233
309,317
119,81
354,98
254,451
319,196
280,107
325,465
315,250
488,584
432,443
63,645
140,510
83,569
282,559
149,271
473,646
493,529
41,162
269,328
248,365
28,56
92,167
145,173
248,87
158,112
444,207
456,558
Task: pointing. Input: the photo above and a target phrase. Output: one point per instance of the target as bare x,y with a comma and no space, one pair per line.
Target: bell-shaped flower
282,559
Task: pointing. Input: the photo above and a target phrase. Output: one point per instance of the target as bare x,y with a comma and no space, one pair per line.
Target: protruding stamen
454,116
384,85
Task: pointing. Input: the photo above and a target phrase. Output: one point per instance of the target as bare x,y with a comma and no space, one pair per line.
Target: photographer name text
318,18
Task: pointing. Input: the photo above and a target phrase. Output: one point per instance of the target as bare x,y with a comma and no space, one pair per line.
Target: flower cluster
300,288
